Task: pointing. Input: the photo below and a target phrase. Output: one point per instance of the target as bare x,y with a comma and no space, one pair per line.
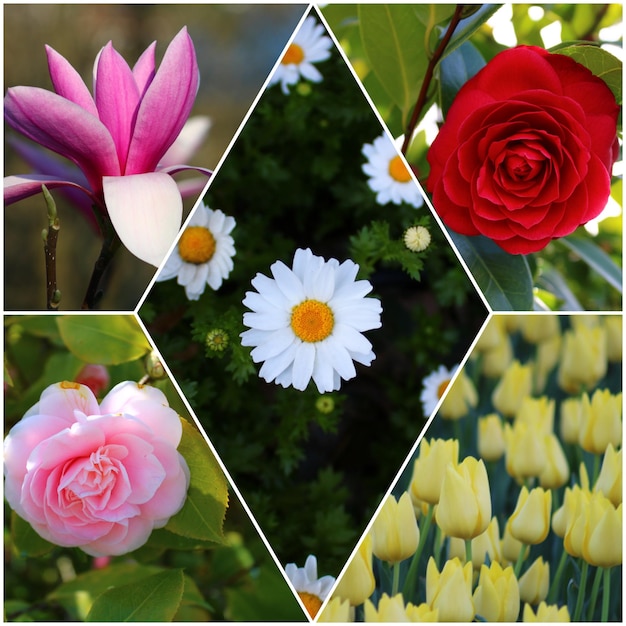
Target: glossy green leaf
601,63
504,279
202,516
596,258
103,339
152,599
393,40
469,25
25,540
455,70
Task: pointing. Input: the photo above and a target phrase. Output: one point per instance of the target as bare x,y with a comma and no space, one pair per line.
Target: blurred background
236,46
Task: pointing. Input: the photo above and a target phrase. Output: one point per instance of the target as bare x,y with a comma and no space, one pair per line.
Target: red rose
526,150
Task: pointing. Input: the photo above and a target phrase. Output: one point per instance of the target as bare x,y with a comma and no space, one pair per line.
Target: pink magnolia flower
120,139
96,477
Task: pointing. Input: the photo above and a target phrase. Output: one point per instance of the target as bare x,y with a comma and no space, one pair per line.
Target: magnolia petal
117,97
68,83
65,128
188,141
146,211
165,106
144,69
23,186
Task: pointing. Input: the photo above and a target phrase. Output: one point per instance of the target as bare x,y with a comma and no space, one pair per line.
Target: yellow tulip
358,582
496,360
515,384
492,336
337,610
556,470
525,449
539,411
389,610
571,410
461,397
610,479
429,468
464,508
583,358
601,421
491,444
450,592
534,584
539,328
485,546
613,325
545,613
497,596
547,357
395,533
512,547
530,521
566,513
422,613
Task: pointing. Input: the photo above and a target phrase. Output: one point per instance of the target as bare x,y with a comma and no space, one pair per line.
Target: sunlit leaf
202,515
107,340
504,279
601,63
152,599
393,39
25,540
596,258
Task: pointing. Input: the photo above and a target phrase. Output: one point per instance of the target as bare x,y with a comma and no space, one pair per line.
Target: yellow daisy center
442,388
293,55
311,602
196,245
398,170
312,320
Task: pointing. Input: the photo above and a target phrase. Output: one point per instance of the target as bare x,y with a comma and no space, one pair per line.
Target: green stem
411,576
596,468
428,76
594,594
520,560
468,550
581,591
606,594
396,579
557,577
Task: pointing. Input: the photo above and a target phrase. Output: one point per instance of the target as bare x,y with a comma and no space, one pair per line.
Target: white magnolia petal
146,211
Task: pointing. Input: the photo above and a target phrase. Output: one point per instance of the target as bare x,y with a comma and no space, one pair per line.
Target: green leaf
504,279
106,340
596,258
455,70
202,516
600,62
25,540
469,25
152,599
393,40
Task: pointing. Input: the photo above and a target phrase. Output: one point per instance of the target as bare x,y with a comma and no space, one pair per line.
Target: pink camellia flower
120,138
96,477
94,376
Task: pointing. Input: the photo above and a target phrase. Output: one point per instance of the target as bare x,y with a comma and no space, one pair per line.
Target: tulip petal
65,128
146,211
117,98
68,83
165,107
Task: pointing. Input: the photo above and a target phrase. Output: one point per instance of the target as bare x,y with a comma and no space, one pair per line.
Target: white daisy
311,589
203,254
307,322
310,45
434,386
389,177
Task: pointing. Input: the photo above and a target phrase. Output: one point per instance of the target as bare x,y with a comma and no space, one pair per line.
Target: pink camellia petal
65,128
68,83
165,107
117,97
144,69
146,211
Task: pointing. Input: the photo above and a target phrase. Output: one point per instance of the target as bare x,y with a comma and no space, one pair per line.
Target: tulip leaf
504,279
392,36
202,515
152,599
26,540
601,63
106,340
596,258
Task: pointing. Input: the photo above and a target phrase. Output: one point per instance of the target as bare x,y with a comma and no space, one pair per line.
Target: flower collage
328,323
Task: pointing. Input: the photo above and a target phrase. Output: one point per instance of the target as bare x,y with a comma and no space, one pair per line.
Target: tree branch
50,236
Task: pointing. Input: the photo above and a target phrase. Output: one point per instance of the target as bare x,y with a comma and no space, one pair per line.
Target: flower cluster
514,498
